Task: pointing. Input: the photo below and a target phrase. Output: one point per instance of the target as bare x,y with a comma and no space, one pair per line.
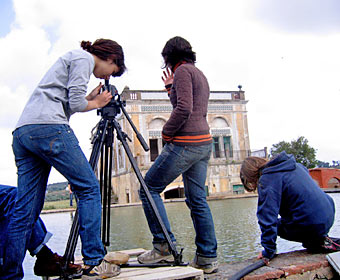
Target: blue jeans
39,236
36,149
192,163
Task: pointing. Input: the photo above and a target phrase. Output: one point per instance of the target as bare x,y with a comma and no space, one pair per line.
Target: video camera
112,109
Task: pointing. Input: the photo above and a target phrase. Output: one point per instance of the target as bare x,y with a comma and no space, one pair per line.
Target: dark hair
177,49
251,171
107,49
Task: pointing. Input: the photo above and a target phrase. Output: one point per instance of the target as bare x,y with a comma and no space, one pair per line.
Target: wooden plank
334,260
146,273
160,273
181,273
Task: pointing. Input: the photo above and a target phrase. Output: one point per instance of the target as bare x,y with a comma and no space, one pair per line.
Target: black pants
311,236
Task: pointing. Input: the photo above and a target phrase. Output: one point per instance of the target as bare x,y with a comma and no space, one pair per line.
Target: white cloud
23,54
302,16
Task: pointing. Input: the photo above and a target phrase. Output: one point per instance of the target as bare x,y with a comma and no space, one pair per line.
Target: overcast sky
285,54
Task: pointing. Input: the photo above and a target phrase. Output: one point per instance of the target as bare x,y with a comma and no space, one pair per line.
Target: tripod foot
152,265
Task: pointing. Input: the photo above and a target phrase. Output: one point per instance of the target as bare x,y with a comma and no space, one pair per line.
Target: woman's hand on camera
103,99
94,92
99,101
168,77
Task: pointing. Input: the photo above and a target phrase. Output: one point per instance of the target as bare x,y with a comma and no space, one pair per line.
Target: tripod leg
109,188
121,137
72,241
74,232
105,184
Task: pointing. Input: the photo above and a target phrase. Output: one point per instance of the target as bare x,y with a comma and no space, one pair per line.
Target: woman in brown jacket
187,152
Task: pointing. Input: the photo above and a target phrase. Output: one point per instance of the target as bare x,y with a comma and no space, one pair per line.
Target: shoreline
209,198
174,200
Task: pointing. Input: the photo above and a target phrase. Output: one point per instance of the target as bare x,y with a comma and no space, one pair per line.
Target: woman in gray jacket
43,138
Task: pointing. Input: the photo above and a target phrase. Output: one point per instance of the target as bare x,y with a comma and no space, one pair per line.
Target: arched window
333,183
155,137
221,134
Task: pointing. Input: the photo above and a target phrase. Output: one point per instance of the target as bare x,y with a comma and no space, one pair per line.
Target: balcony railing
231,155
222,157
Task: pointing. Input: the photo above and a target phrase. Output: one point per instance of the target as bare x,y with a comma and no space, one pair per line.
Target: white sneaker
154,256
101,271
207,268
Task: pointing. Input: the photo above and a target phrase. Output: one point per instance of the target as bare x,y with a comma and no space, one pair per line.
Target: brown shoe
53,266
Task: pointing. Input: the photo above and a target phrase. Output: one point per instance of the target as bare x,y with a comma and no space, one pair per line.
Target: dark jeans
191,162
311,236
39,236
36,149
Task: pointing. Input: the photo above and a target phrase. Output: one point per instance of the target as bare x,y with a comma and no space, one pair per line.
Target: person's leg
39,237
59,147
71,199
164,170
65,154
7,201
32,180
54,145
194,187
310,236
167,167
47,263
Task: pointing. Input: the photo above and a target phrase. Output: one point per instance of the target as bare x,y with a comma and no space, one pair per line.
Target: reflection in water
237,231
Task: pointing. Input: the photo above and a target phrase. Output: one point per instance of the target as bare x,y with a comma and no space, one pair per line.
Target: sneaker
155,256
207,268
331,244
52,266
102,271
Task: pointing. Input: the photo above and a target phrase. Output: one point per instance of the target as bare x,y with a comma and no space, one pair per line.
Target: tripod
103,148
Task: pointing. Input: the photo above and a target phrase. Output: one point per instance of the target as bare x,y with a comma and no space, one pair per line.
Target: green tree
335,164
302,152
322,164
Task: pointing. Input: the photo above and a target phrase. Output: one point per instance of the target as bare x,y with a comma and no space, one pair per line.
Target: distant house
326,177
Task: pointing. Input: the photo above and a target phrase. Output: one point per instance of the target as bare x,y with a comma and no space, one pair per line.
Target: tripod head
113,108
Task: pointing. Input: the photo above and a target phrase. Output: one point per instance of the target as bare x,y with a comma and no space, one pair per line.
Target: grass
61,204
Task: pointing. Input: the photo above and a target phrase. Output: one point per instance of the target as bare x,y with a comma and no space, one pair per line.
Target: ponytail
87,46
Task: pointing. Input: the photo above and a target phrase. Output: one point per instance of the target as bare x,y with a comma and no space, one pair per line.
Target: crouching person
47,263
285,188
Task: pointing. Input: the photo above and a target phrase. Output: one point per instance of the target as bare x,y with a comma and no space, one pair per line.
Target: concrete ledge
292,265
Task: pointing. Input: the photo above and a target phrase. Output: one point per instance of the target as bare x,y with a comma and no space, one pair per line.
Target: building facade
149,110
